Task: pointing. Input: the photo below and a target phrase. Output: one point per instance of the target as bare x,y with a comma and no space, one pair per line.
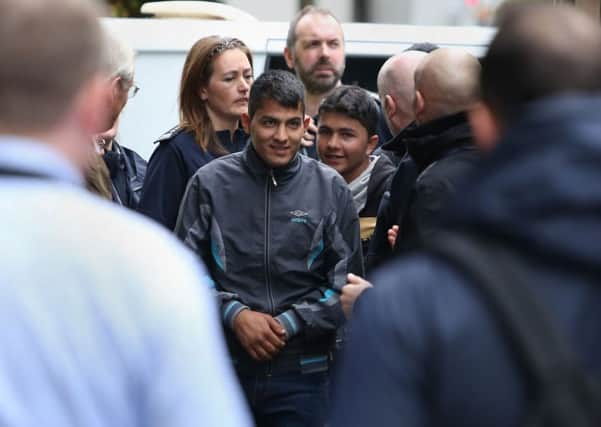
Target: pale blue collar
30,155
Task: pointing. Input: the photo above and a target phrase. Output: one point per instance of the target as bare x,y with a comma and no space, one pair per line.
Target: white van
162,44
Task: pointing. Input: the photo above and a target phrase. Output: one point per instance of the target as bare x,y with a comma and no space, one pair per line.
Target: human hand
260,334
310,133
350,292
392,235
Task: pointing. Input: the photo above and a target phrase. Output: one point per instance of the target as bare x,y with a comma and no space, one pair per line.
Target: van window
360,70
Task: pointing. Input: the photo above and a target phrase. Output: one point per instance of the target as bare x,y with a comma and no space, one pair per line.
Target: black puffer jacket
444,153
279,241
439,155
379,182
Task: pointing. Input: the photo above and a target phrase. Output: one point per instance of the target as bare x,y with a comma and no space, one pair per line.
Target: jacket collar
433,140
237,139
37,157
397,143
258,167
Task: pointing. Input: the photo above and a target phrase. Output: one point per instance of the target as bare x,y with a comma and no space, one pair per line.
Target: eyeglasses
132,91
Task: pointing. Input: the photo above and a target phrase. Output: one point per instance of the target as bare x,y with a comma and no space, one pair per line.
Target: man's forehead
273,109
318,26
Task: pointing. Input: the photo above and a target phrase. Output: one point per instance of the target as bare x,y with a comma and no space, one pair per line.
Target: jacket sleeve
386,322
379,250
194,228
431,197
164,186
342,255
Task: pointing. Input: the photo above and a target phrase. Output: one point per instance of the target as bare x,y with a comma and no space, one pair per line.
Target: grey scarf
359,185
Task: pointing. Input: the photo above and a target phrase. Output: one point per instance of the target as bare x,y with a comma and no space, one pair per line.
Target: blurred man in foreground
85,343
426,349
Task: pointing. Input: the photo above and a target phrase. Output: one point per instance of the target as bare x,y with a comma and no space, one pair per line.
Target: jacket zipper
267,239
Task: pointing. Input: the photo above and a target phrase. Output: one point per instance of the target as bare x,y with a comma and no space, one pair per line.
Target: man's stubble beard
320,85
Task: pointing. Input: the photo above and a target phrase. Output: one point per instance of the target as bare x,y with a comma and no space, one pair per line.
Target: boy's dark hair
354,102
280,86
540,51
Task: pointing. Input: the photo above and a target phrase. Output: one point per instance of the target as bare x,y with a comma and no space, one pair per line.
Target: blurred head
276,117
119,65
348,119
396,89
315,49
214,89
538,51
425,47
51,81
446,82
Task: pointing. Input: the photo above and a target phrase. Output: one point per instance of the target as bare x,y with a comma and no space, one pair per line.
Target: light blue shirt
104,317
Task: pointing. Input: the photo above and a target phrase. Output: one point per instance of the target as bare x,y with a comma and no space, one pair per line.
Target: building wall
267,10
414,12
264,10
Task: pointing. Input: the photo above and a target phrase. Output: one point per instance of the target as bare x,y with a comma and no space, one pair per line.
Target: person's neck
223,123
354,174
312,101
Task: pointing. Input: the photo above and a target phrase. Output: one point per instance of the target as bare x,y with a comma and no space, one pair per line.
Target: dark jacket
440,153
277,241
436,355
171,165
395,148
127,170
376,187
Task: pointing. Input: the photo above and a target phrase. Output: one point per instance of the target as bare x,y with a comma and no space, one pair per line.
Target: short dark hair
353,102
540,51
280,86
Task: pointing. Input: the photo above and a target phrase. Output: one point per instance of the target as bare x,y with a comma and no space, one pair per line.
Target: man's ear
390,107
485,126
288,58
93,105
418,107
372,143
245,121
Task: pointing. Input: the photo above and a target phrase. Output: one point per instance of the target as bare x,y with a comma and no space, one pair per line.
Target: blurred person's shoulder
424,293
97,236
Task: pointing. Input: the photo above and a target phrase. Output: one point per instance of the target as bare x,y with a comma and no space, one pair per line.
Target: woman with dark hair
213,94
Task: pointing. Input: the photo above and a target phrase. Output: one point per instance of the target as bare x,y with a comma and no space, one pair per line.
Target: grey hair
118,58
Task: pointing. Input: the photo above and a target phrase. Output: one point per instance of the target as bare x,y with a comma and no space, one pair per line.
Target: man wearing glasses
125,167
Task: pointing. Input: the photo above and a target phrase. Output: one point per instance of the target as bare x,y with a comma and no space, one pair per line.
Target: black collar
258,167
434,140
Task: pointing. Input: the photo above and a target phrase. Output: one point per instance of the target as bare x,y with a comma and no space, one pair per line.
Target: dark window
360,70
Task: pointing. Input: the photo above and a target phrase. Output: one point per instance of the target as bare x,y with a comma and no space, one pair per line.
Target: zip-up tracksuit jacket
278,241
